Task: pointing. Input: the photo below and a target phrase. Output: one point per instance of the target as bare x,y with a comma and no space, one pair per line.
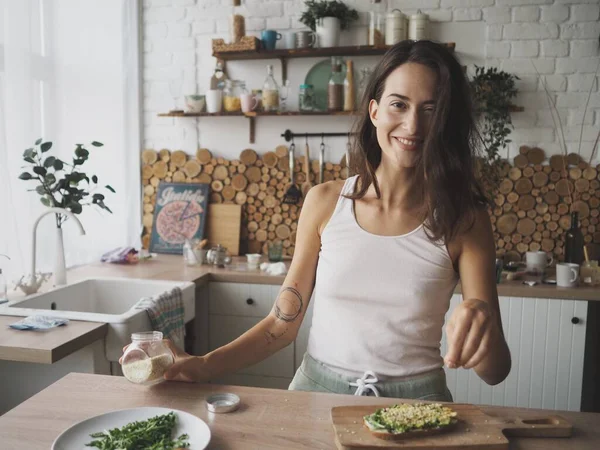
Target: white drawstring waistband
366,383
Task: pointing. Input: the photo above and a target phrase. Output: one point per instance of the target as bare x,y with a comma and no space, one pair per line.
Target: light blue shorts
313,375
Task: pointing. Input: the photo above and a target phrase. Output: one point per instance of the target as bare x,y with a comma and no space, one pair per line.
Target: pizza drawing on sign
179,215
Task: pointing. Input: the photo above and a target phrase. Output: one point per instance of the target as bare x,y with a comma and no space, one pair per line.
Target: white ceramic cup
253,259
537,261
195,103
289,39
567,274
214,100
249,102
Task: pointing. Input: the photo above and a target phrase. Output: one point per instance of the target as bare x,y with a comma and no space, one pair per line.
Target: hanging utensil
292,195
307,184
321,159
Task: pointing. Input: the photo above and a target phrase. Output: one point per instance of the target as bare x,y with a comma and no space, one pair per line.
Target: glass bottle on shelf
335,87
231,95
270,94
376,29
217,81
306,97
284,93
349,92
574,241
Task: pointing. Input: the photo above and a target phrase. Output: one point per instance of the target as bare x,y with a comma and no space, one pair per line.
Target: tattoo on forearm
288,305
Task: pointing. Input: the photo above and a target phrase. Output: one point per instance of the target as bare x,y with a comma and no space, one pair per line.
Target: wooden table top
267,418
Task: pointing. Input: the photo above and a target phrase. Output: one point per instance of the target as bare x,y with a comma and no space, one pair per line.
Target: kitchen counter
267,418
24,346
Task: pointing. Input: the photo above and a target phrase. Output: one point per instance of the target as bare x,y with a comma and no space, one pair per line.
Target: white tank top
379,301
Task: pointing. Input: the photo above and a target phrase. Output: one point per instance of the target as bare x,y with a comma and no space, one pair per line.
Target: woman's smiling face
404,113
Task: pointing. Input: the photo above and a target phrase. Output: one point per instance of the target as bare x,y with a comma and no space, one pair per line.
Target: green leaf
58,165
98,197
49,179
29,153
39,170
29,160
45,201
38,142
40,190
78,162
97,144
49,161
81,152
110,189
75,207
46,146
25,176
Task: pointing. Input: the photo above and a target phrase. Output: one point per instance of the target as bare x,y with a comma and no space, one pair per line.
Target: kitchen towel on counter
38,323
274,268
166,314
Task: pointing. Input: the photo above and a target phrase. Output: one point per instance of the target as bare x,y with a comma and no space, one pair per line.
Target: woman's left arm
474,330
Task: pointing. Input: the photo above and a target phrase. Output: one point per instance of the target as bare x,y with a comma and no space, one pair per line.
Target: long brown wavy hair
445,167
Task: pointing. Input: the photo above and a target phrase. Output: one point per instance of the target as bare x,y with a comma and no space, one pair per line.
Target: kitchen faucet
60,271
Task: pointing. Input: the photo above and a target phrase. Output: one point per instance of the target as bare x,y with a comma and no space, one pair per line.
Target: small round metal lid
222,403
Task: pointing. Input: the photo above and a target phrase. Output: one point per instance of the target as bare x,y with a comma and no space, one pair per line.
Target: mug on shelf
214,100
269,38
249,102
537,261
305,39
567,274
195,103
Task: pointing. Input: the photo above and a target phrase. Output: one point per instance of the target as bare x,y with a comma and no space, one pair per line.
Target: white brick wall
559,36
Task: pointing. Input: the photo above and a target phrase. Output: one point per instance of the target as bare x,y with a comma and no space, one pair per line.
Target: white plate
78,435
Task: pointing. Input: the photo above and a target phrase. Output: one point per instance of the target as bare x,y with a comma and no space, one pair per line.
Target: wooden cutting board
223,226
475,430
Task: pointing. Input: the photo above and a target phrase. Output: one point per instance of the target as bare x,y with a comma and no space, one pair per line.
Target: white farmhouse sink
109,300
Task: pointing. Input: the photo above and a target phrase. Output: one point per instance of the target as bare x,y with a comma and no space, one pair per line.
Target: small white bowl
253,260
195,103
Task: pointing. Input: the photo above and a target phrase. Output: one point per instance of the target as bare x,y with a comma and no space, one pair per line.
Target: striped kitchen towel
166,314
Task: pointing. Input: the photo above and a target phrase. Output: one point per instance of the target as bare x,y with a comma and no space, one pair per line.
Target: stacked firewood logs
530,209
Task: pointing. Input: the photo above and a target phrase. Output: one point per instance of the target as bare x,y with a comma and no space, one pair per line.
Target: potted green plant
327,18
493,91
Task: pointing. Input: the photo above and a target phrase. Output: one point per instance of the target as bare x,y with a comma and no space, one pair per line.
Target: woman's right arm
280,327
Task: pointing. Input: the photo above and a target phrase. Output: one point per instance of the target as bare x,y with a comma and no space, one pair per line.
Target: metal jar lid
222,403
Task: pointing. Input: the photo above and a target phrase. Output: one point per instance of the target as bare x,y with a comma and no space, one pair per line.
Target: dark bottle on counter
335,87
574,241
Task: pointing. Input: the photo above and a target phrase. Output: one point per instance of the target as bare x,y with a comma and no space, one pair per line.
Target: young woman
385,249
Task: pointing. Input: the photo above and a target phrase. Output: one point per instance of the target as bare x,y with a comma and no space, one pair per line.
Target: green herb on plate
152,434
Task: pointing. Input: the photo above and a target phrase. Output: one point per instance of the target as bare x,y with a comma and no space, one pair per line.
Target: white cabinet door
547,352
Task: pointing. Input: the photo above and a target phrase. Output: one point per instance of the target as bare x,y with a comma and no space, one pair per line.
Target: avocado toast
410,420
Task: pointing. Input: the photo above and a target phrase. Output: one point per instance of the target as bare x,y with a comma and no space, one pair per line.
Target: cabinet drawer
224,329
240,299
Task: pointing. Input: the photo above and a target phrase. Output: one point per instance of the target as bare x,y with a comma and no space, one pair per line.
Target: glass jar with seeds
147,358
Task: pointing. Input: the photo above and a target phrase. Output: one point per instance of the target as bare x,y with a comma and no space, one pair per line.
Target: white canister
396,27
418,26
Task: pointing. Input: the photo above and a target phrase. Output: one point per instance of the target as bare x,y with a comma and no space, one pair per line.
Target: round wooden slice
148,208
164,155
228,193
204,178
512,197
526,202
215,197
147,172
555,176
535,247
523,186
541,208
216,185
521,214
148,190
537,236
546,169
564,188
263,225
594,202
582,208
521,161
528,171
252,189
269,201
155,181
516,238
589,173
160,169
270,159
536,155
526,226
179,158
253,174
565,222
524,149
551,198
282,231
239,182
536,192
499,199
284,164
203,155
149,156
573,159
505,186
552,226
248,156
558,162
252,226
220,173
261,235
281,151
276,219
508,206
507,223
547,245
575,173
531,213
514,173
582,185
179,177
261,195
192,168
540,179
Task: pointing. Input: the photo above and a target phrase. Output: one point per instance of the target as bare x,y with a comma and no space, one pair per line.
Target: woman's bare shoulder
320,202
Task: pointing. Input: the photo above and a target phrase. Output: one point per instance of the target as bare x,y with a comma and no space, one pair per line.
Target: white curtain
69,73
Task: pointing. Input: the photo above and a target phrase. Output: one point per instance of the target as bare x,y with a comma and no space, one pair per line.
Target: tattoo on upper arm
288,305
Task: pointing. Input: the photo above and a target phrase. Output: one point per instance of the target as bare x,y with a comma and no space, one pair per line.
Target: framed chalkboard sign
179,214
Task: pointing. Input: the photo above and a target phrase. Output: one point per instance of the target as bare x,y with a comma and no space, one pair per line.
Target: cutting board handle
544,426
